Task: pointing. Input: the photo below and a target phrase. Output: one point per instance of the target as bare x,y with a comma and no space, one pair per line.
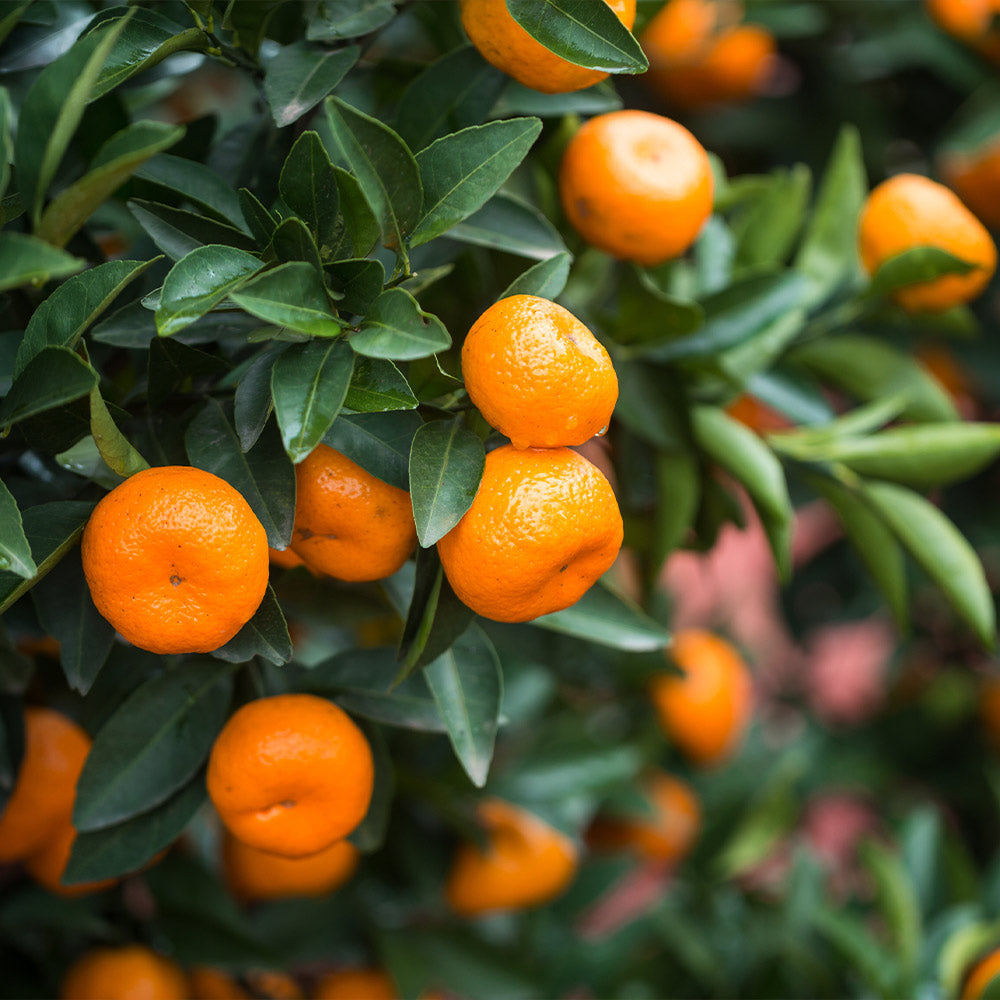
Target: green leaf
177,232
66,612
384,168
300,75
870,369
292,241
308,186
173,365
199,281
114,447
584,33
15,552
859,951
51,529
265,635
377,385
828,254
26,260
126,847
335,19
54,376
460,172
259,220
154,743
467,685
6,144
360,282
198,184
898,905
678,481
117,160
291,295
13,12
941,551
768,228
52,110
263,475
61,319
397,328
650,405
507,223
749,460
546,279
455,91
308,385
252,403
446,466
647,317
914,266
608,619
361,229
378,442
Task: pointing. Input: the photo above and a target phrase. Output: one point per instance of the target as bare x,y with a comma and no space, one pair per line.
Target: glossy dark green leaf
335,19
828,254
265,635
361,230
508,223
369,835
173,365
300,75
126,847
607,618
545,279
768,228
66,612
713,254
678,482
759,353
378,442
116,450
25,260
264,475
51,112
648,317
941,550
517,99
360,282
308,384
378,385
467,685
397,328
584,33
293,241
455,91
446,465
249,21
154,743
384,167
61,319
117,160
914,266
199,281
308,186
15,552
252,402
293,296
177,231
648,406
198,184
53,377
259,220
460,172
6,143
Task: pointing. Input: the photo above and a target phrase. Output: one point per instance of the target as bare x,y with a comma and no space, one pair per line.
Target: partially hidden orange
980,976
974,175
356,984
131,972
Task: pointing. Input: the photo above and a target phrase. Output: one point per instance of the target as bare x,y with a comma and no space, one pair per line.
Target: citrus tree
258,262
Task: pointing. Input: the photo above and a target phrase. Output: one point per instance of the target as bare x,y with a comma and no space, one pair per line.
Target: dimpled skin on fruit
537,374
543,527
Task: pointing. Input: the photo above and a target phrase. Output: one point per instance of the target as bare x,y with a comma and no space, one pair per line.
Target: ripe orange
290,774
758,416
208,983
911,211
273,985
55,749
543,527
699,55
636,185
356,984
176,560
666,835
253,874
980,975
504,43
348,523
132,972
47,864
975,177
284,558
537,374
972,21
706,711
989,710
526,862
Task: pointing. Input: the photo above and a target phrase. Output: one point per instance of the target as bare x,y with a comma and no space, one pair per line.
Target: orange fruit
699,55
975,177
980,976
909,211
989,709
254,874
176,560
42,645
537,374
47,864
356,984
348,523
132,972
290,774
705,711
665,835
543,527
636,185
214,984
525,862
504,43
284,558
974,22
758,416
273,985
55,749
